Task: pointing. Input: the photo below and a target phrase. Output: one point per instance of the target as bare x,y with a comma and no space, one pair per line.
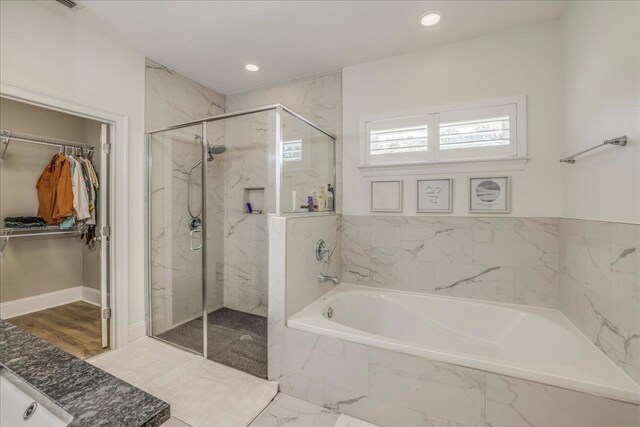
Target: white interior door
104,232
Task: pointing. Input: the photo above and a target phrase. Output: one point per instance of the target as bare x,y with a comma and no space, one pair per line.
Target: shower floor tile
235,338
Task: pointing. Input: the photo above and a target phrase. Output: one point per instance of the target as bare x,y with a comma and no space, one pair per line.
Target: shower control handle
191,233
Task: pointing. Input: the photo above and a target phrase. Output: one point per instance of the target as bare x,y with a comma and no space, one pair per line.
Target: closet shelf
7,136
53,230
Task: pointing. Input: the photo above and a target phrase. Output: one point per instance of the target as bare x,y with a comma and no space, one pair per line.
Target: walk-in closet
54,226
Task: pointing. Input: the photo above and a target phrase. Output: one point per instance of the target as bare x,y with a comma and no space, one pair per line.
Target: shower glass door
176,243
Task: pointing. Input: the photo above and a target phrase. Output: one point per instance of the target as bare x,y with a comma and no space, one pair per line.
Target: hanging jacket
80,194
55,191
87,168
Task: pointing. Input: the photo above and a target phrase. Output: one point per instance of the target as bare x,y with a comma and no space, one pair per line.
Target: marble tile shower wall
317,98
245,235
600,286
171,98
514,260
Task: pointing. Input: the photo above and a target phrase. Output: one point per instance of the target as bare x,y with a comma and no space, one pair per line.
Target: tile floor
234,338
201,392
288,411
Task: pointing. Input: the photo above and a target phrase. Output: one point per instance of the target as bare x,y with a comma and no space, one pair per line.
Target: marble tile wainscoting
293,270
600,286
392,389
513,260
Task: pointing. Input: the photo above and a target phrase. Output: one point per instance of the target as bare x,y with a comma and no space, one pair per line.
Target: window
292,150
402,140
487,132
398,140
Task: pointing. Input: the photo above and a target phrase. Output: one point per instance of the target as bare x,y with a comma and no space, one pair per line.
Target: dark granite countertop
92,396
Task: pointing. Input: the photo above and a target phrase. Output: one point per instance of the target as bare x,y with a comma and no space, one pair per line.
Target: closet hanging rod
620,141
7,136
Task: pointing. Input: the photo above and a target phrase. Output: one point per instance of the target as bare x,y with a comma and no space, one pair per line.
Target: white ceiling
210,41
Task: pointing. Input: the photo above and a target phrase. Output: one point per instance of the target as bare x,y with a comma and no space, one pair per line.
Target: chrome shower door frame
279,110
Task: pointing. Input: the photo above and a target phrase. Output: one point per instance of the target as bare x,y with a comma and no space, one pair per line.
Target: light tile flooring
287,411
201,393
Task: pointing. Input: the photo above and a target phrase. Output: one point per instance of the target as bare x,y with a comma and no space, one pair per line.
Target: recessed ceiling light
252,67
431,18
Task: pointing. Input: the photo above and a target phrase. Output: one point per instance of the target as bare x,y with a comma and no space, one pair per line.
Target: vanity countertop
92,396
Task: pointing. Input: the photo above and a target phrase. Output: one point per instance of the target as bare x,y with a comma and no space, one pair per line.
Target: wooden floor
73,327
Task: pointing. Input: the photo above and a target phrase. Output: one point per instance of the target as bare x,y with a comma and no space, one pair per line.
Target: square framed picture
435,195
386,196
490,195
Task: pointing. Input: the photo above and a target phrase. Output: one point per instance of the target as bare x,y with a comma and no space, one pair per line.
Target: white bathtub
532,343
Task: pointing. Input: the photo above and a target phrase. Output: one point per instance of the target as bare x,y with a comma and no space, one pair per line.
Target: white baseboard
90,295
28,305
137,331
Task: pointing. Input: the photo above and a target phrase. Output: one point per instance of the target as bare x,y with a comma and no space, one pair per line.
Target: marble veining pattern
390,389
513,402
302,266
290,411
514,260
90,395
600,286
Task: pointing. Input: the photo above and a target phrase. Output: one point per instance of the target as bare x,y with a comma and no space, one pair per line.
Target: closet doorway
55,226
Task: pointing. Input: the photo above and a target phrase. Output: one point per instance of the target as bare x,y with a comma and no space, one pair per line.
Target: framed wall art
386,196
435,195
490,195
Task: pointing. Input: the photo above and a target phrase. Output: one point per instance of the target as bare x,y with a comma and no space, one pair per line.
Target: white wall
43,51
602,101
525,61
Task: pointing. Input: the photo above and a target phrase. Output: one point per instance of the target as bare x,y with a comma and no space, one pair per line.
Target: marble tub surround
289,411
293,271
302,266
514,260
390,389
292,412
600,286
90,395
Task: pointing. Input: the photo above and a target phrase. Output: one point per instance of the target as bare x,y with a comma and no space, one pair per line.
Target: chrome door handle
195,230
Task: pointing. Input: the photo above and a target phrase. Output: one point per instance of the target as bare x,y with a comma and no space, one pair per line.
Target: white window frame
434,160
399,123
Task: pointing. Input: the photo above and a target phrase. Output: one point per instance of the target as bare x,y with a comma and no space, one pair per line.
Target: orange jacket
55,192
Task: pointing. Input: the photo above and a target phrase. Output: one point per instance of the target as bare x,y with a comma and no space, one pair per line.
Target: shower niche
207,287
254,200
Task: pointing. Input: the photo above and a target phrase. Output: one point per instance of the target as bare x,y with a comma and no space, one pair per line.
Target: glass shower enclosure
212,185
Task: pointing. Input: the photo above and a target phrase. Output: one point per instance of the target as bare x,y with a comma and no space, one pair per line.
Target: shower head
212,150
216,149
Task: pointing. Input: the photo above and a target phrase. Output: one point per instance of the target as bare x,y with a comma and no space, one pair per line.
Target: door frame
118,184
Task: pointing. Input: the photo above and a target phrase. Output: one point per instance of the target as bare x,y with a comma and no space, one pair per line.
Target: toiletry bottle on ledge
330,198
322,199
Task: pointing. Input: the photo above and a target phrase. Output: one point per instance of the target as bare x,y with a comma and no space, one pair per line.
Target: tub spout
333,279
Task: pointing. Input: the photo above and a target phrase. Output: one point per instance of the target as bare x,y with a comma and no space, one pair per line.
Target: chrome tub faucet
333,279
